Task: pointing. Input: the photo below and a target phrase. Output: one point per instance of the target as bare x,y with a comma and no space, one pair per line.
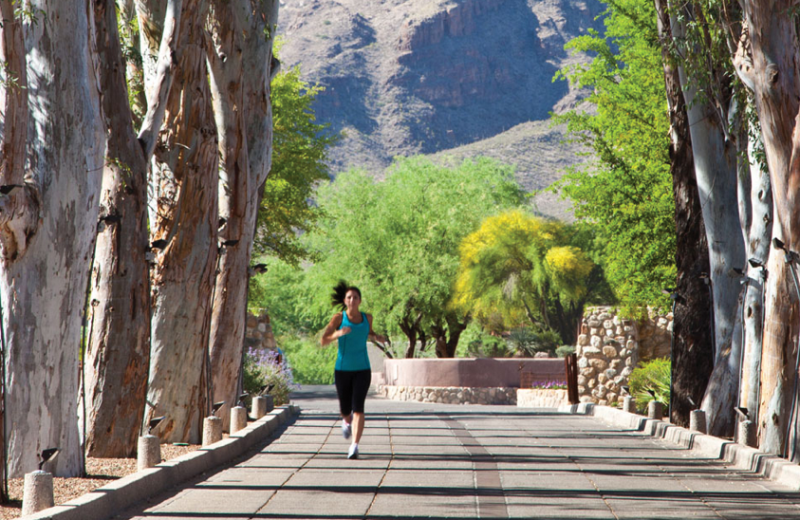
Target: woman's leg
358,426
361,384
344,391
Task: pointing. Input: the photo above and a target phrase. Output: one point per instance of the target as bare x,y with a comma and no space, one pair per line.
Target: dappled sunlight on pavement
420,460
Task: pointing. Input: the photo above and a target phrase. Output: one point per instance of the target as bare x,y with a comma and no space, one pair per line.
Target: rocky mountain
443,77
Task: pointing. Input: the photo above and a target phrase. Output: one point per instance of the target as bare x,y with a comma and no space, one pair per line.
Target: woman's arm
372,335
331,333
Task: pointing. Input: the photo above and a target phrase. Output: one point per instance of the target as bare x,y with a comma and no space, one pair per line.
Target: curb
111,499
737,455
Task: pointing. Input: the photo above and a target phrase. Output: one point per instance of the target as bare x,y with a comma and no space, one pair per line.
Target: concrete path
449,461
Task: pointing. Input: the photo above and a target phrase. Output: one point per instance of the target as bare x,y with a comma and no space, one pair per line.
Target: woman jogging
352,375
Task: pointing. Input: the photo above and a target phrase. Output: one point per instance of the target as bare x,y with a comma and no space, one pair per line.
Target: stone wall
449,394
259,332
654,336
607,351
541,398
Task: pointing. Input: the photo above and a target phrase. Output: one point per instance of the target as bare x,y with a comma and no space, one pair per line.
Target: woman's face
352,300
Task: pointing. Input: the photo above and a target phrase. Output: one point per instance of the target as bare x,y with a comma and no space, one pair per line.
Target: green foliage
653,375
284,290
564,351
515,267
311,364
261,368
476,342
626,194
398,239
128,27
529,342
299,153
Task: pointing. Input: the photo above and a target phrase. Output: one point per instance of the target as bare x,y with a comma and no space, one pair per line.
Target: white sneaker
353,452
346,430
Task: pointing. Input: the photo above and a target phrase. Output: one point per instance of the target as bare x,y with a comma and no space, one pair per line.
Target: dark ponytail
340,291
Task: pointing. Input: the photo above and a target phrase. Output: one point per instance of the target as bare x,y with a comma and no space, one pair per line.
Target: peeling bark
45,268
239,58
185,241
118,350
775,57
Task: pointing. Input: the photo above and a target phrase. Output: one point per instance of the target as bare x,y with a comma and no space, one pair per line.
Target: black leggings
352,387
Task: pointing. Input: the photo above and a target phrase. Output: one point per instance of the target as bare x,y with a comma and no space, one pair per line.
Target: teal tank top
353,346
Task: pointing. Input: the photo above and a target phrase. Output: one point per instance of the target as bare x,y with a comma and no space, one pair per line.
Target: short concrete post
655,410
745,432
238,418
262,405
37,493
148,452
212,430
629,404
697,421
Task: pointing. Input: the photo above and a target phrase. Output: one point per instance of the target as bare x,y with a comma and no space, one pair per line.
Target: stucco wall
467,372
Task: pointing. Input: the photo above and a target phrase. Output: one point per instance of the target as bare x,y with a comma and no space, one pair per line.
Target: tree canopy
300,147
626,193
517,268
398,239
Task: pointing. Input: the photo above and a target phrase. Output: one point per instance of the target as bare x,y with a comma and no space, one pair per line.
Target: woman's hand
344,331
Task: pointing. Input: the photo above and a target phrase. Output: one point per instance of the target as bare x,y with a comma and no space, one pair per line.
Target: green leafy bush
311,364
476,342
529,343
564,351
653,375
262,368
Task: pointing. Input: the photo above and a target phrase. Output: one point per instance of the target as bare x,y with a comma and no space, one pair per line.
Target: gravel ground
98,473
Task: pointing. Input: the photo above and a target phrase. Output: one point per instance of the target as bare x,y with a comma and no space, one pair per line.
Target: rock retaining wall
608,351
541,398
258,333
654,336
450,394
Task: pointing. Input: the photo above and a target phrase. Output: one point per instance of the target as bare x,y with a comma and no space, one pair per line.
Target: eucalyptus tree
769,54
692,358
183,227
53,154
241,66
118,349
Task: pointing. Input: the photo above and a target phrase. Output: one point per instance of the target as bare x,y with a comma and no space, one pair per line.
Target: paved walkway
449,461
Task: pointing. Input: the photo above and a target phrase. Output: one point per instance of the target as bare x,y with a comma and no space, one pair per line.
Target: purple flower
549,385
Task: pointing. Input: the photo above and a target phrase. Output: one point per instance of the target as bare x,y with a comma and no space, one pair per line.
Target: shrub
311,364
564,351
655,376
530,343
261,368
476,342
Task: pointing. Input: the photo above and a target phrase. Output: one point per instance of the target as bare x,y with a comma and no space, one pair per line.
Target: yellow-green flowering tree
517,269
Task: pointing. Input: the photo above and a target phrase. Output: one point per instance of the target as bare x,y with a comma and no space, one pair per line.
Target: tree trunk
447,335
692,354
185,241
237,33
412,331
755,210
13,128
715,171
775,58
48,229
117,355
